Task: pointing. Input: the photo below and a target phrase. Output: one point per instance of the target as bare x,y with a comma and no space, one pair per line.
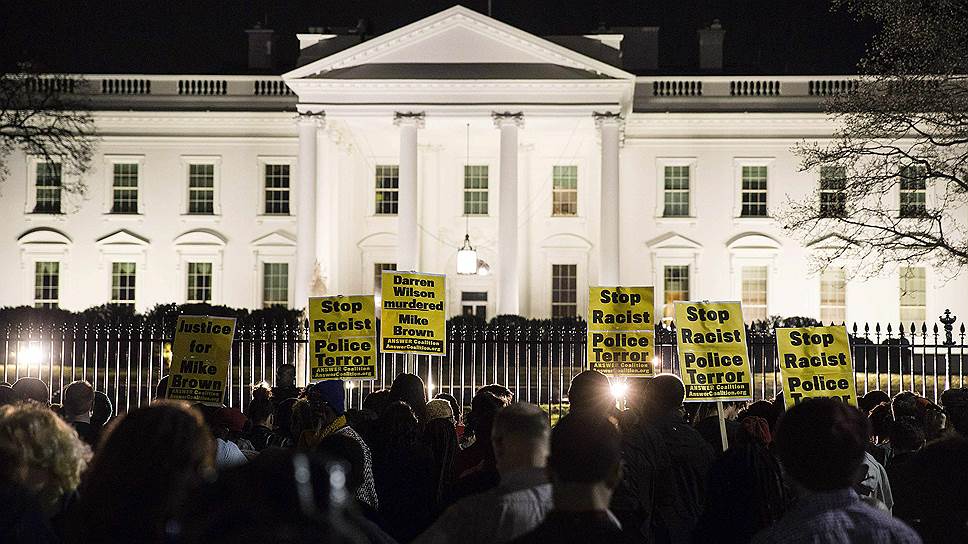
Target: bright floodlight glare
619,389
30,355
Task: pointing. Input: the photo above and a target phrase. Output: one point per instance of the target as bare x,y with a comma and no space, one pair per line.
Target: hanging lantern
467,258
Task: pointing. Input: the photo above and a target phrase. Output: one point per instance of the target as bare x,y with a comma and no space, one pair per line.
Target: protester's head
328,399
907,435
590,392
520,437
8,395
454,405
409,388
78,399
481,419
665,394
33,389
904,404
376,401
161,390
102,409
398,426
821,443
146,463
440,409
585,449
282,417
40,452
755,430
232,420
304,419
760,408
931,417
498,391
955,403
882,420
286,376
259,411
872,399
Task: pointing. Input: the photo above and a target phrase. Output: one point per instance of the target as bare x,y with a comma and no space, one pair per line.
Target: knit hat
332,392
439,408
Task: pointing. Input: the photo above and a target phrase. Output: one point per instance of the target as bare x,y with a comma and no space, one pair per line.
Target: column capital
407,118
317,118
607,118
505,118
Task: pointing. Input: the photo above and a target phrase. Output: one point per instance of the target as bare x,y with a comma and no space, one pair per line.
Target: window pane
833,196
123,283
564,290
564,192
275,284
475,189
913,191
474,303
753,191
46,284
833,296
754,292
387,189
201,189
199,282
676,185
378,269
675,283
48,187
913,295
277,189
125,188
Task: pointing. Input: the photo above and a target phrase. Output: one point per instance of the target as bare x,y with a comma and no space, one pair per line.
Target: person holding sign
414,316
200,359
713,357
815,362
621,331
342,336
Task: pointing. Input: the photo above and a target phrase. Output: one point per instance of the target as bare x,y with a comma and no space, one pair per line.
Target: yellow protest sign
621,331
413,316
815,362
200,358
342,336
713,358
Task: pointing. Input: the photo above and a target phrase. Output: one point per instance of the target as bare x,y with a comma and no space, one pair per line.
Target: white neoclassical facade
565,172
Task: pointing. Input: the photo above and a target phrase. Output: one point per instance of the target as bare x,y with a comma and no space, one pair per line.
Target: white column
407,235
508,286
309,124
608,268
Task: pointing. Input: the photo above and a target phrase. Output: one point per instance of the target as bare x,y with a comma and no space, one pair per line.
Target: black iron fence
536,360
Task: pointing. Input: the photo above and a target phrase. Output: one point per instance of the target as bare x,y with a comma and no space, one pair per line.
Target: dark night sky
206,36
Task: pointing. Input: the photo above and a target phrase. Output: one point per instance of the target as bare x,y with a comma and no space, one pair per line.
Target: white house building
564,170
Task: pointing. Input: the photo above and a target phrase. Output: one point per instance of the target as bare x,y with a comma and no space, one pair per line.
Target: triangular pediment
671,240
458,36
278,238
122,238
830,241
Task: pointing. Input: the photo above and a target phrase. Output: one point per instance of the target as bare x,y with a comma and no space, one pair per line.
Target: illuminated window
754,293
277,189
124,188
675,284
833,195
387,189
275,284
199,283
201,189
46,284
753,191
48,187
676,191
564,290
833,296
913,295
475,189
122,283
913,191
564,192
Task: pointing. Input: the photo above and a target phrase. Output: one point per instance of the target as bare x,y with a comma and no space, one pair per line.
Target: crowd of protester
298,466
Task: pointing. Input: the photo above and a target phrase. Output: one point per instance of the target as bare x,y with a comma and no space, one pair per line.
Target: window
48,185
201,189
833,296
754,293
676,192
833,195
564,192
275,284
753,191
474,304
199,282
913,295
378,269
387,189
277,189
913,191
122,283
675,284
564,290
475,189
46,284
124,188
